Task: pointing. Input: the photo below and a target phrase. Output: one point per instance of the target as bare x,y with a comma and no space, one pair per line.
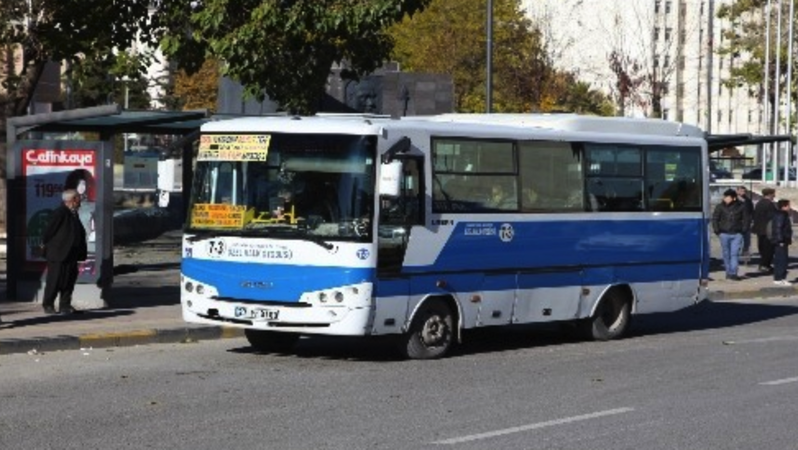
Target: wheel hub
435,331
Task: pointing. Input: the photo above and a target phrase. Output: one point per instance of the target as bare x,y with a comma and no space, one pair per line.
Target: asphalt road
720,376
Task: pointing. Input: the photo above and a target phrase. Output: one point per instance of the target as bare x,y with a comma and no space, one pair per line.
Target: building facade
667,50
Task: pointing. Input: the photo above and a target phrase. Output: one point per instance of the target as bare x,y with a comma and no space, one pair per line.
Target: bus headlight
338,296
322,297
189,287
200,289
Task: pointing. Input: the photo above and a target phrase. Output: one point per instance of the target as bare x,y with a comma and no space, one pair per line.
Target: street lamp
489,75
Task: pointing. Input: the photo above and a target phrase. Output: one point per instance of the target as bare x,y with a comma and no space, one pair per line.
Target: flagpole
767,152
788,106
777,101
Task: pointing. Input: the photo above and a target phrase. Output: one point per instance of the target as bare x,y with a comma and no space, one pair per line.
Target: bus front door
397,216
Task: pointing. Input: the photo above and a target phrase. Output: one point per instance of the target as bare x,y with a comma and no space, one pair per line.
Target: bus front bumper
351,318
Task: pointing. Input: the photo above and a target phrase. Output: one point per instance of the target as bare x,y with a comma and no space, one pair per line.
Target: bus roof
577,123
364,124
333,124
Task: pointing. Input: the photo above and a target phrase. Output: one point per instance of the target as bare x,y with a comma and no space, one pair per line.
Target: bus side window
672,179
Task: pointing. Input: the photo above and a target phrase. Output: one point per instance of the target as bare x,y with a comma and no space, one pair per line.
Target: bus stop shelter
717,143
39,169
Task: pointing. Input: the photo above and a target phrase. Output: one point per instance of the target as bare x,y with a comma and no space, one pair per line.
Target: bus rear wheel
271,341
611,320
431,333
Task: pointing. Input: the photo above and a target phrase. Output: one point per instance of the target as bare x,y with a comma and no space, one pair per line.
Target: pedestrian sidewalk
145,304
755,284
144,307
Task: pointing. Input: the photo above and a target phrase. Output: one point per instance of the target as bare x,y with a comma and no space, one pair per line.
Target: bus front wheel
271,341
611,320
431,333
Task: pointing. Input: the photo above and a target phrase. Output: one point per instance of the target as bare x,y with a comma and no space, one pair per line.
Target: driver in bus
284,200
301,202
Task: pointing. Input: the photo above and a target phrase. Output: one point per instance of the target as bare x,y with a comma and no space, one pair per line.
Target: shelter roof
152,122
719,142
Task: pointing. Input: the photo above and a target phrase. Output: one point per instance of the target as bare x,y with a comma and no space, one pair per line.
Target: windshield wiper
321,242
202,235
210,234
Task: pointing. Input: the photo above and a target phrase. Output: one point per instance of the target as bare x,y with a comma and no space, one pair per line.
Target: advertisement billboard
47,171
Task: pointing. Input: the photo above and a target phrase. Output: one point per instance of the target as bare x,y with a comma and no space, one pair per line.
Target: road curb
765,292
120,339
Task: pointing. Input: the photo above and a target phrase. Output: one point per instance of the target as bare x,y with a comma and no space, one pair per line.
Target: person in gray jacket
730,221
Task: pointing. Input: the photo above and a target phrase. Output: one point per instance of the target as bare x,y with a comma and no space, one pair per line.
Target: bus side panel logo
363,254
506,232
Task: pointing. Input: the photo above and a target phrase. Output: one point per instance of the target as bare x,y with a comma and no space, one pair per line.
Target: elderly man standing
730,221
64,242
764,211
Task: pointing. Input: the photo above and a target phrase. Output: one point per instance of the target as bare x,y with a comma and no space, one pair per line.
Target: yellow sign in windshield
233,147
206,215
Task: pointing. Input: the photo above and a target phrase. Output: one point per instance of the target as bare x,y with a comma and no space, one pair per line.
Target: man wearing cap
764,211
729,221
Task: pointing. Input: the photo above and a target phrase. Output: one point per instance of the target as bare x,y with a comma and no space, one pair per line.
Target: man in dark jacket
764,210
729,221
781,238
743,196
64,242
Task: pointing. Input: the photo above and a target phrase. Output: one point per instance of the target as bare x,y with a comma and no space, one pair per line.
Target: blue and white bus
424,227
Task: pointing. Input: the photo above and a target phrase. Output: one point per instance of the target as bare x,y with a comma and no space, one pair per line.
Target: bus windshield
284,186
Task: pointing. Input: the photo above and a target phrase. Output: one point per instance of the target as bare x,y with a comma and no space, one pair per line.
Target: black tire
431,334
611,320
271,341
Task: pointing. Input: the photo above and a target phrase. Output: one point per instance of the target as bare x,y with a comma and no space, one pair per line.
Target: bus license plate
264,314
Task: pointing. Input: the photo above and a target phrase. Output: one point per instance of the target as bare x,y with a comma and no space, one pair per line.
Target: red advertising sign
47,173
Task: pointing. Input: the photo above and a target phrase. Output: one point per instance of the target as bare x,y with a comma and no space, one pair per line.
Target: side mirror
390,178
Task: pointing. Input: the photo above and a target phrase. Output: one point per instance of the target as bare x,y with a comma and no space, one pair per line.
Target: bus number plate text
264,314
257,313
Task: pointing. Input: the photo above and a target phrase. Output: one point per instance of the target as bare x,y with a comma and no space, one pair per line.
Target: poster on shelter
47,173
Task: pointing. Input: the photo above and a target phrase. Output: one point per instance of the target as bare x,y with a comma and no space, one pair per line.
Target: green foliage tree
744,42
110,78
63,30
449,37
281,47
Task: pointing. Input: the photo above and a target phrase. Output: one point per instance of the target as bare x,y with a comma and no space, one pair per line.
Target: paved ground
721,376
145,305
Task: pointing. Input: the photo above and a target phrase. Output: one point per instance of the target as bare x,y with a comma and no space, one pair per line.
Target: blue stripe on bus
581,253
477,245
261,282
459,282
